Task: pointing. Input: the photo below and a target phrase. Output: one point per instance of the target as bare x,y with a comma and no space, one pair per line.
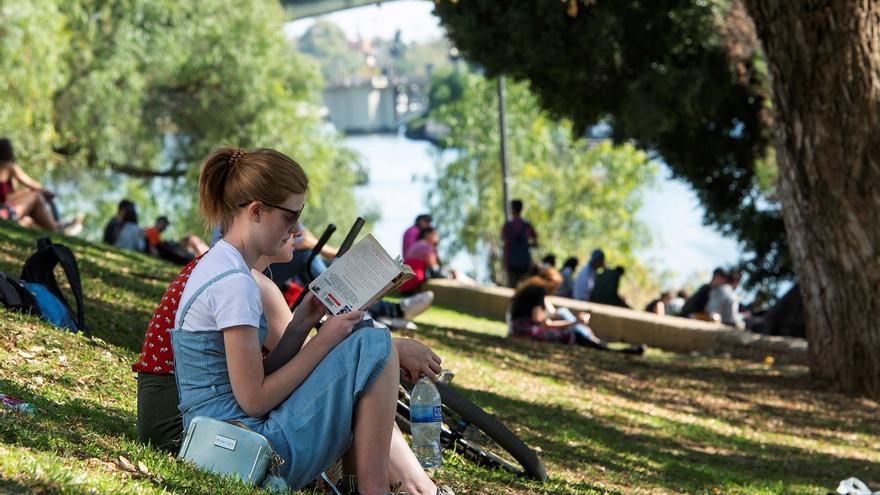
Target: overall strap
178,325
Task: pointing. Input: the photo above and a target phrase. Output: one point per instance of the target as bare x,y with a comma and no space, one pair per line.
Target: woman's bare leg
31,203
404,467
373,422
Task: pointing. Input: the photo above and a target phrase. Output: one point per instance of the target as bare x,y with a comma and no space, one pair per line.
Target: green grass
661,423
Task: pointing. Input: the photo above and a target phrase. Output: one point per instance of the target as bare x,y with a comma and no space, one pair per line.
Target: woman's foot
72,227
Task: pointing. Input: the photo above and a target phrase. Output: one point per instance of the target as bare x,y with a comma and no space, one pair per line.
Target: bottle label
425,415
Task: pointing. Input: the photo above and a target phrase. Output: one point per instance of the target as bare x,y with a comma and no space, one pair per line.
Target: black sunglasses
295,213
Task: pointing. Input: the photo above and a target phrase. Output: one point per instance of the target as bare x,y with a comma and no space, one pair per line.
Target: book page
357,278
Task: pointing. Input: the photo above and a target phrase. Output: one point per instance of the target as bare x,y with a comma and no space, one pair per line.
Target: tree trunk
824,63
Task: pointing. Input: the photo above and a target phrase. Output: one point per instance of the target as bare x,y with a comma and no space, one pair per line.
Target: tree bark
824,63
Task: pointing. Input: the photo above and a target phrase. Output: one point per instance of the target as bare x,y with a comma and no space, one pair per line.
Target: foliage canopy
680,78
579,194
97,93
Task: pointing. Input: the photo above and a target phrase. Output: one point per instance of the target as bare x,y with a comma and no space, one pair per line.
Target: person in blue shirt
586,279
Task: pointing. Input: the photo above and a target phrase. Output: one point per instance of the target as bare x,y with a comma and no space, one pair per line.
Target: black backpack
15,296
40,269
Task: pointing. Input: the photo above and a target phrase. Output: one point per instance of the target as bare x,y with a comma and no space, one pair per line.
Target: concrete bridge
377,105
300,9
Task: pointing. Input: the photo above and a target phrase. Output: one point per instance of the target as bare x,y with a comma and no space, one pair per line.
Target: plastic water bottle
425,414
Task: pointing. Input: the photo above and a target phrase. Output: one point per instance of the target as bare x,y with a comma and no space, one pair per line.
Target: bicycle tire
403,423
532,466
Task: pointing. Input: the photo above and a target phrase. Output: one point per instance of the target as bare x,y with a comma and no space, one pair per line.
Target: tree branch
134,171
123,168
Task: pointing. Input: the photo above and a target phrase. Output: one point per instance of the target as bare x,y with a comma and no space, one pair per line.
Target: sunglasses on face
292,216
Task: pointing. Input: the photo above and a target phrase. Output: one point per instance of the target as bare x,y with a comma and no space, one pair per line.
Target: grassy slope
662,423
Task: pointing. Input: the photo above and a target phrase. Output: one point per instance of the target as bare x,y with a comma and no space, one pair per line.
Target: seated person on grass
129,235
111,230
659,305
568,273
181,252
290,277
284,340
607,287
695,306
723,302
25,201
532,315
423,253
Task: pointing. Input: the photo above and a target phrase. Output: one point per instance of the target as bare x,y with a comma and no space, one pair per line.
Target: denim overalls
313,426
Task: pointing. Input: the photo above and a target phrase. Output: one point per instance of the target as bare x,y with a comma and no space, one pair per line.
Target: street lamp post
502,128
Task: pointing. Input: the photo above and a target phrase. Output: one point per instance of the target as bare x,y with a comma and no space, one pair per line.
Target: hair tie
236,154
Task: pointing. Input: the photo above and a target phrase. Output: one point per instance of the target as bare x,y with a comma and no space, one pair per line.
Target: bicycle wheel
485,439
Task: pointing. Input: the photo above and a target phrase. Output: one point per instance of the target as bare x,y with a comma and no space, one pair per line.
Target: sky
414,18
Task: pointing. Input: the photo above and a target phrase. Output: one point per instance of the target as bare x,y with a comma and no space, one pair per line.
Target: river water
682,245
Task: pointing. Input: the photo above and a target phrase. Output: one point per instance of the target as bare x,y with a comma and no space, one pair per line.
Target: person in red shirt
411,235
154,234
181,252
158,420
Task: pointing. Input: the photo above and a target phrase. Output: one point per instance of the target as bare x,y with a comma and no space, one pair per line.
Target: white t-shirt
231,301
131,237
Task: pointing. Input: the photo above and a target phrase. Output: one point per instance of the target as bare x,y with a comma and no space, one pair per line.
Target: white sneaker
396,323
416,305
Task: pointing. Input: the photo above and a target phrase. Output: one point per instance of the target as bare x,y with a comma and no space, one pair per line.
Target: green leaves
680,78
32,41
149,87
579,195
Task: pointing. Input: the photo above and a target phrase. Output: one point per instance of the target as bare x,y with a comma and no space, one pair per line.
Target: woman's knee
370,339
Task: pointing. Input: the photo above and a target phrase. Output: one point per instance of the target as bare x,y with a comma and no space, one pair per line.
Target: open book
360,277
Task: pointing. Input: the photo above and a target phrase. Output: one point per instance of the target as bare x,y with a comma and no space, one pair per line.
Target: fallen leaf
85,380
143,468
95,462
39,380
125,464
25,355
37,349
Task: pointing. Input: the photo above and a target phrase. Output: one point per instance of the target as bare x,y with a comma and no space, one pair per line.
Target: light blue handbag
230,449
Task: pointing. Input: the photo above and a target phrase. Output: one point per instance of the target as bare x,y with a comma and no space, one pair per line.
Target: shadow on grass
71,426
83,430
115,282
13,487
785,393
120,326
681,456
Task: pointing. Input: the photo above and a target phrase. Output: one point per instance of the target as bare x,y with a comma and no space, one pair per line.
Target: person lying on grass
532,315
339,388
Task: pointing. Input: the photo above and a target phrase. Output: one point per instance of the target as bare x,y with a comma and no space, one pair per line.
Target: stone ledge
625,325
